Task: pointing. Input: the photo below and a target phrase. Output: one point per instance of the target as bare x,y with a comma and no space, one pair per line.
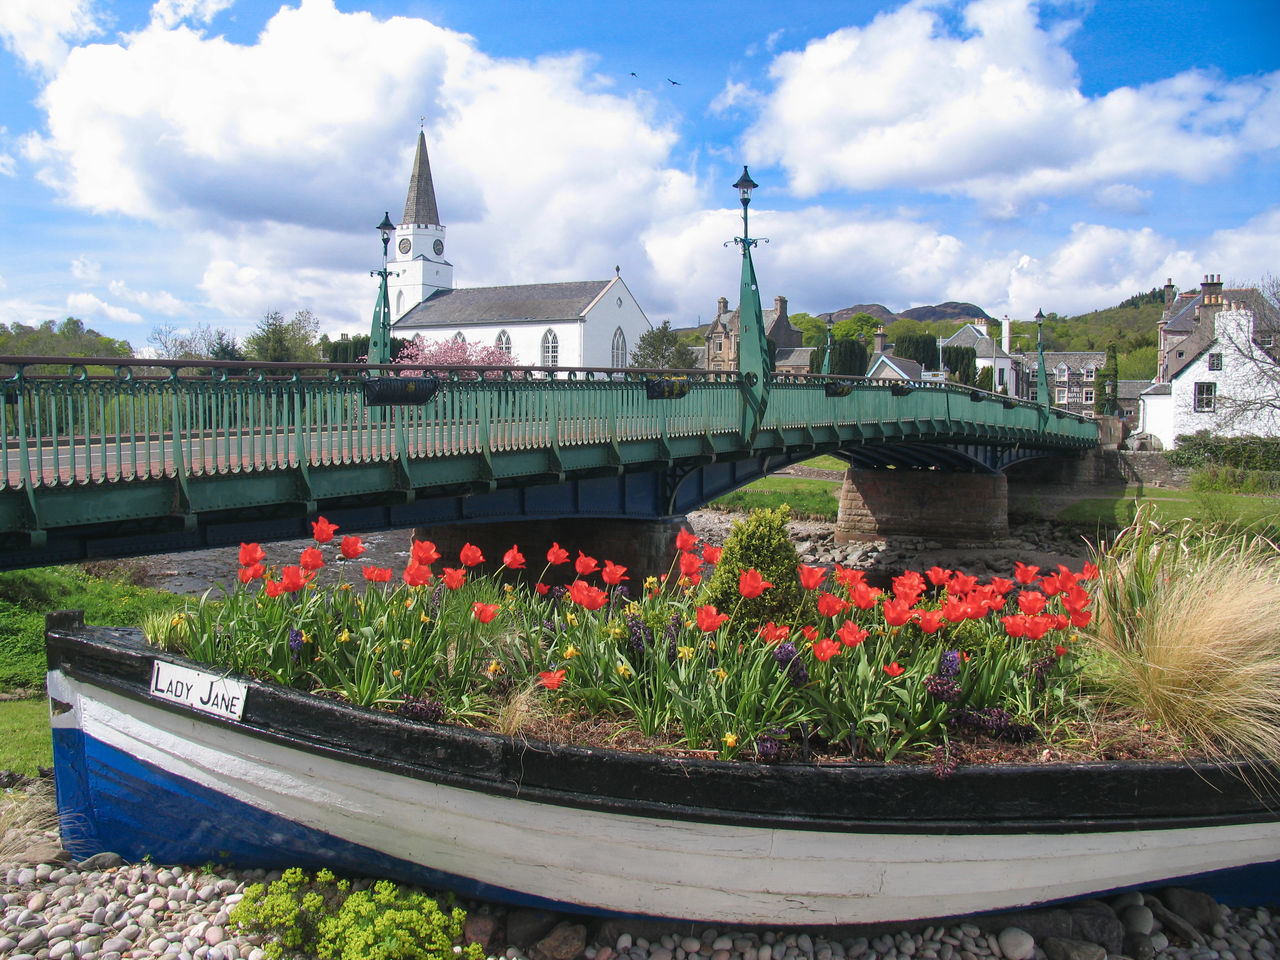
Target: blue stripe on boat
110,800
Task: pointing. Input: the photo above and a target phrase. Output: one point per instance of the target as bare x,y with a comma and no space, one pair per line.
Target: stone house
725,333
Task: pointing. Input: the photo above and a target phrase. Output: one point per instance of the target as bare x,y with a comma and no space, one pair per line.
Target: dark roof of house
792,356
529,301
1131,389
1158,390
1183,317
420,204
1074,359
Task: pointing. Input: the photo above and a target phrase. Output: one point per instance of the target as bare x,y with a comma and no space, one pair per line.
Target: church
581,323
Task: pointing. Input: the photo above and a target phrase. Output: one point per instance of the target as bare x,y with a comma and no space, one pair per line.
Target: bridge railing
112,420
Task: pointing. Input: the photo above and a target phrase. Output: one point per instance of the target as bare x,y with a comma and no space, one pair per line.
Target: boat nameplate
207,692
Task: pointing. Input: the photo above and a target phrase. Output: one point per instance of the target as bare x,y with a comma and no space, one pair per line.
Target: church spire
420,205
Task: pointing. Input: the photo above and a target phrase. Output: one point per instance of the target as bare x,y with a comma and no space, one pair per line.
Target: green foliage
813,329
860,325
661,348
277,340
805,497
962,362
69,338
985,377
1139,363
761,542
920,347
26,744
1244,453
27,595
1106,398
325,917
848,357
1223,478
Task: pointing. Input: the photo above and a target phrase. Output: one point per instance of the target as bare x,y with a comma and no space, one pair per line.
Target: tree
814,329
277,340
920,347
69,338
962,362
452,352
1106,396
848,358
660,348
225,347
985,377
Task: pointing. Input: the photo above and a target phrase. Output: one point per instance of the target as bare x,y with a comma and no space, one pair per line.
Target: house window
1061,395
1266,340
1089,374
1088,395
618,355
1000,376
719,346
1215,361
503,342
1181,354
1206,394
550,349
1060,373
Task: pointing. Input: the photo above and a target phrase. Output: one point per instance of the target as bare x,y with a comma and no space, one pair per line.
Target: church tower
418,265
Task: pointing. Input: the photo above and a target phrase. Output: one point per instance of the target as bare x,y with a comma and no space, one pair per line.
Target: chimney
1211,291
1170,295
722,306
879,339
780,304
1005,340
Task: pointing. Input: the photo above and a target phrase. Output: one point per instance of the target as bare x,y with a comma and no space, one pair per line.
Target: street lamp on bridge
753,348
380,331
1042,375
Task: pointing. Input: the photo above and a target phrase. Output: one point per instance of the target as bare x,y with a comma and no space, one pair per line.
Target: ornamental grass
841,667
1186,634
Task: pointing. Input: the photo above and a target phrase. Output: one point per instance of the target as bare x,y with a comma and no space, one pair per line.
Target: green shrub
1245,453
22,661
762,542
326,918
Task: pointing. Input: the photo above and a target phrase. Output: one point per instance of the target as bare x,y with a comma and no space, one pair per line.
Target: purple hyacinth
942,687
950,665
639,635
788,658
295,644
421,708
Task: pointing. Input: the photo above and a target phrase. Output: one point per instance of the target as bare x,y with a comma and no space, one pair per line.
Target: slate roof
529,301
1075,360
794,356
420,204
780,332
1158,390
1131,389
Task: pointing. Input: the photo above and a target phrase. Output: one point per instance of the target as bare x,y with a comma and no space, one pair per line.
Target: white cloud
37,31
8,166
734,94
86,269
159,301
169,13
1123,198
994,112
1246,253
86,305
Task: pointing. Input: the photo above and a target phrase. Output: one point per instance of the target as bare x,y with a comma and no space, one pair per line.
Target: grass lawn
826,463
1173,505
807,498
25,742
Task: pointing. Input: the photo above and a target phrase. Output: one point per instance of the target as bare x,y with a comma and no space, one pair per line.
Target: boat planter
250,774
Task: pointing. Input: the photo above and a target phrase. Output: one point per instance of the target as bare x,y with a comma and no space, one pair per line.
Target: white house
581,323
989,353
1226,380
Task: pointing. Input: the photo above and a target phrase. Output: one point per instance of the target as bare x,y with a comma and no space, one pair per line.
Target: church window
618,355
400,303
503,342
459,337
550,349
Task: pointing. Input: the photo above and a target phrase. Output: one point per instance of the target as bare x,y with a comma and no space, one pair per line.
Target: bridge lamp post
753,347
380,331
831,326
1042,375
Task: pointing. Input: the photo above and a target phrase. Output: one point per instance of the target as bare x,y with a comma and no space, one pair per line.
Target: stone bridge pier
931,504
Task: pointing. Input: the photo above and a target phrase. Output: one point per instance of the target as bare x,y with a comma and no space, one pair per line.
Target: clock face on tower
438,247
405,245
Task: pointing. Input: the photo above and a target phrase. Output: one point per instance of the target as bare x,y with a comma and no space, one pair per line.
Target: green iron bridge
114,458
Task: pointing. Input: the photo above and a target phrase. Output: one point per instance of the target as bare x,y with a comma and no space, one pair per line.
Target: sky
202,162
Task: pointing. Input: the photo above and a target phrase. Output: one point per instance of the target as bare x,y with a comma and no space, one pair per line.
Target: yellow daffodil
684,653
494,668
722,674
633,608
730,740
624,671
571,619
424,618
509,587
345,586
651,583
395,673
344,636
570,652
408,603
177,620
617,633
689,624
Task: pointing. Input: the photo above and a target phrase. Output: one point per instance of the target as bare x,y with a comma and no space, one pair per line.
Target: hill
949,312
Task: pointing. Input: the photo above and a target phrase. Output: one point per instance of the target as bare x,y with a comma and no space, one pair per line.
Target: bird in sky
674,83
634,74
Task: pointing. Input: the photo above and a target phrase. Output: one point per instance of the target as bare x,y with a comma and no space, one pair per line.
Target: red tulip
931,620
251,553
894,670
1059,651
689,564
557,555
1025,574
322,530
1089,572
751,584
851,634
711,554
292,579
415,574
351,547
937,576
811,577
829,605
825,649
1030,602
485,612
585,565
311,559
376,574
710,619
587,596
863,596
1015,625
849,578
470,555
250,573
542,588
273,587
613,573
425,552
685,541
897,613
454,577
551,679
773,633
908,587
513,559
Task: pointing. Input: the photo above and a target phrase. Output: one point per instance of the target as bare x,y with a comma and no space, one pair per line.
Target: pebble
68,912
